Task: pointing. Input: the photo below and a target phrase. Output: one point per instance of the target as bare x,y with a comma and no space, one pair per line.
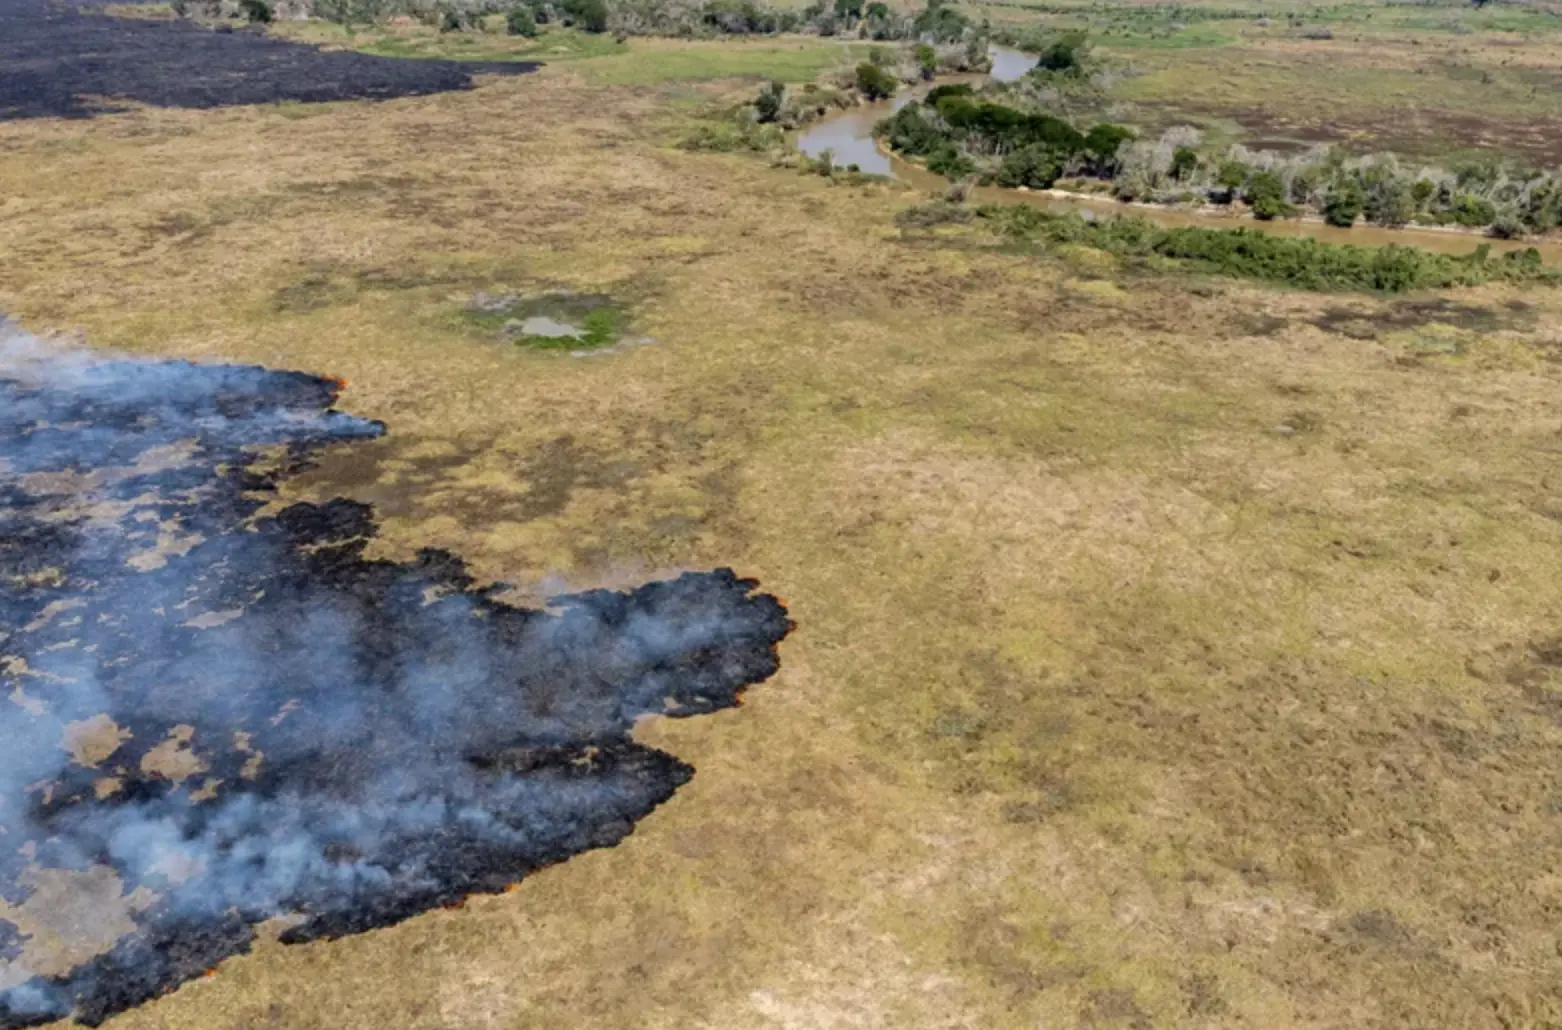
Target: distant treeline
1005,135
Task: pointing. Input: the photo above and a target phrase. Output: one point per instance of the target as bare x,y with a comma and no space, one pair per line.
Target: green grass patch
802,60
419,42
558,321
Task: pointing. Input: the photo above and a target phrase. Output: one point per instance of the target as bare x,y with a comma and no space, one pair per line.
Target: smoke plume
242,718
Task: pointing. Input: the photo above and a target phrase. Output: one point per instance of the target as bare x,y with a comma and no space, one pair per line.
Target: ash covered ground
218,716
58,60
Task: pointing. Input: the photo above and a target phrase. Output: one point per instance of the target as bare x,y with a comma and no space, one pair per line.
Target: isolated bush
1065,54
1185,161
767,106
452,20
927,61
256,12
521,22
874,82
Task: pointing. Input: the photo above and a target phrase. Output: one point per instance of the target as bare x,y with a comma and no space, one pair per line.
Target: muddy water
849,135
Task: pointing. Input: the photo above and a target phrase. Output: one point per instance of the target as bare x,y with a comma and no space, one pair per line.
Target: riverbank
1550,247
849,137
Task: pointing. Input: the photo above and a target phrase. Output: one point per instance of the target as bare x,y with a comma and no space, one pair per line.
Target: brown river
848,135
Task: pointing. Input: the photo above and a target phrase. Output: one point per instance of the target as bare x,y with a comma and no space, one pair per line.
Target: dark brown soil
60,62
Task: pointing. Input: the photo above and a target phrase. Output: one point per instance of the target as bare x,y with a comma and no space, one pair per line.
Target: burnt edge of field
58,61
284,727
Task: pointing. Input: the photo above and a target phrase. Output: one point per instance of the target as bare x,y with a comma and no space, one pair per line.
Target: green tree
1102,143
451,20
1343,204
1185,161
1266,194
521,22
1066,54
848,10
587,15
1231,178
874,82
256,12
927,60
767,106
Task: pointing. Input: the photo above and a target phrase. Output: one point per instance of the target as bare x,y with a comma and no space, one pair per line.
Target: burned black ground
58,61
301,731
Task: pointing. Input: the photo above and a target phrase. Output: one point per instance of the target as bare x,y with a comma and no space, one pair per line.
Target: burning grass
1116,701
264,725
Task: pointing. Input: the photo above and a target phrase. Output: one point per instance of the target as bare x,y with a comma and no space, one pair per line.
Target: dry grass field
1170,653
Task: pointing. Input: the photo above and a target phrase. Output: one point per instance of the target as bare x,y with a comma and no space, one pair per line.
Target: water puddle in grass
577,323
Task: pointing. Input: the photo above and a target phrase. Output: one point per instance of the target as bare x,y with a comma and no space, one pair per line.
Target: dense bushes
1252,254
958,132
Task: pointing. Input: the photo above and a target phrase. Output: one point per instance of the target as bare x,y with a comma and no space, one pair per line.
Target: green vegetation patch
557,321
1248,253
695,62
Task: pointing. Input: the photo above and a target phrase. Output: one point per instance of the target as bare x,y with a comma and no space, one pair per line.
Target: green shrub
451,20
521,22
1266,195
1343,205
1185,161
927,61
950,162
256,12
940,23
1101,144
587,15
874,82
1389,204
1065,54
767,106
908,131
1231,177
948,89
1035,166
1251,254
1471,212
734,136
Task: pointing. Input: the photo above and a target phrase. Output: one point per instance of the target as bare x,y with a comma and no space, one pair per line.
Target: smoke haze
242,717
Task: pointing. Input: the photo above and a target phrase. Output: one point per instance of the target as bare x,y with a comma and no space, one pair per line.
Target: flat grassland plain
1170,652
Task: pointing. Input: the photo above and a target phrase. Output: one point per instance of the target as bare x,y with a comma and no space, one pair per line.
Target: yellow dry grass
1168,655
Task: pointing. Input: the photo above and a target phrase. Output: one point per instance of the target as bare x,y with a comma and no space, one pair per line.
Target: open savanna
1170,653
